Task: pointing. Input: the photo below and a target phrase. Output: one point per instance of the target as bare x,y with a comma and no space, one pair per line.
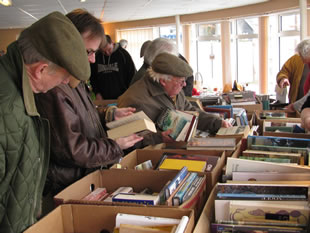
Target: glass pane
168,32
247,26
248,71
290,22
287,48
273,51
210,63
212,29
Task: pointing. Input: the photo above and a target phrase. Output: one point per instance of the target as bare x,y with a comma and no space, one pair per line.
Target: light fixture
82,0
6,2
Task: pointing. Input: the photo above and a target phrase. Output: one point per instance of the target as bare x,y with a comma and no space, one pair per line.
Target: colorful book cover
172,186
178,197
177,164
145,199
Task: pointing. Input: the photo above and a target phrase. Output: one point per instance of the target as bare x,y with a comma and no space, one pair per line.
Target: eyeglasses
90,52
179,81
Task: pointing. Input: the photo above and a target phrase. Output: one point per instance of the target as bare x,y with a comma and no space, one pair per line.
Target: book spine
195,185
262,196
178,197
176,181
123,199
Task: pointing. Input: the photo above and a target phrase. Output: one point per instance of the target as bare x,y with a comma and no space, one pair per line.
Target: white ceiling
25,12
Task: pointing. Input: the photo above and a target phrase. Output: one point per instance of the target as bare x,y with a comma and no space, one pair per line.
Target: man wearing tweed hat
48,53
160,89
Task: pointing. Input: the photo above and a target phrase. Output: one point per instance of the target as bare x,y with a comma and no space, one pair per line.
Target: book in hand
182,124
138,123
211,143
137,198
177,164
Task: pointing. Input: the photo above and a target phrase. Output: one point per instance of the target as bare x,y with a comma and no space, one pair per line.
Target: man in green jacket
48,53
161,88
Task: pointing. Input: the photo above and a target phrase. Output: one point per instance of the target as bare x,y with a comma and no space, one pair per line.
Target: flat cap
56,38
166,63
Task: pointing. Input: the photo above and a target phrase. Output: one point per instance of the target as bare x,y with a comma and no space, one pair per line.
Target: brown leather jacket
78,141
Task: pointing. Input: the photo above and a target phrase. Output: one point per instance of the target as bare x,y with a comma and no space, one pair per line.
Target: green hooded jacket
24,146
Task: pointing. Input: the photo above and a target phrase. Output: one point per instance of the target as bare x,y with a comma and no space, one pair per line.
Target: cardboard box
138,156
93,218
207,216
138,180
251,107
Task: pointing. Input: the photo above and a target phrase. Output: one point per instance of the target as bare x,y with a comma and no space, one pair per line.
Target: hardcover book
177,164
183,124
138,123
211,143
176,181
178,197
145,199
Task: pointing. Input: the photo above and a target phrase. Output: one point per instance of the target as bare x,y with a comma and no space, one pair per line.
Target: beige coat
150,97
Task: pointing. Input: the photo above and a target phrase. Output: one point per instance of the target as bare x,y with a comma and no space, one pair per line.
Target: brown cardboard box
138,180
207,215
138,156
251,107
71,218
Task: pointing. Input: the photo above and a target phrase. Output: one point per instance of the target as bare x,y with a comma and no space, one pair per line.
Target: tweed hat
56,38
166,63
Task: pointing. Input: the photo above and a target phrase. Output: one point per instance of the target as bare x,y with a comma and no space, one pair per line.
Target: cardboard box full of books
139,156
138,180
70,218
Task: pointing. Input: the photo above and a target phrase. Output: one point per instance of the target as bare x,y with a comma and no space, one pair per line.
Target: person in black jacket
112,72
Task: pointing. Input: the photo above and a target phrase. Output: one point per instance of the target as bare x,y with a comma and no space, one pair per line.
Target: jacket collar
155,88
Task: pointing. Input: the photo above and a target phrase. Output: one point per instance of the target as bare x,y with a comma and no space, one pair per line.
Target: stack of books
212,143
256,207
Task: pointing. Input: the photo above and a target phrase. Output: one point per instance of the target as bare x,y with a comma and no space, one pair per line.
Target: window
209,55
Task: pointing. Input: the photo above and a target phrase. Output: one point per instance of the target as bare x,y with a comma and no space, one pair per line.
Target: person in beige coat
161,88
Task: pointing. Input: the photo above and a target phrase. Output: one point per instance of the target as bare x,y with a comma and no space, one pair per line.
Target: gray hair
158,76
303,49
158,46
30,53
123,43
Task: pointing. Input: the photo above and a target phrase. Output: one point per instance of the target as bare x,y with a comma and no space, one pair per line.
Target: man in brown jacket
161,88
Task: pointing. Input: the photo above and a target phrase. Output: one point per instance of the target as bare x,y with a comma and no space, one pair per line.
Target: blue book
278,141
175,182
178,197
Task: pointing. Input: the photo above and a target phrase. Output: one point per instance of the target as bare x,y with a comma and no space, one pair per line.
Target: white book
244,165
117,191
142,220
128,119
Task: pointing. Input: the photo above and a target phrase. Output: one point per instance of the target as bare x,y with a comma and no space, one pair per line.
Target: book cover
145,199
125,120
142,220
210,159
235,165
175,120
178,197
140,127
193,188
296,211
177,164
273,160
172,186
278,141
272,115
97,195
269,176
117,191
211,143
233,131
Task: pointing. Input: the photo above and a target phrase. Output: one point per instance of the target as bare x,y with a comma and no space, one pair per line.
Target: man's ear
162,82
39,69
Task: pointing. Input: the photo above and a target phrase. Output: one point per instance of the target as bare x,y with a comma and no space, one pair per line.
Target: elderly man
161,89
79,143
48,53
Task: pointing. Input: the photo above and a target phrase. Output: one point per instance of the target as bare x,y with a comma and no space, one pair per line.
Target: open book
183,124
138,123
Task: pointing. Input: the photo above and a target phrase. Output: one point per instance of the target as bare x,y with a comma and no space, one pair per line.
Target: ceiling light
6,2
82,0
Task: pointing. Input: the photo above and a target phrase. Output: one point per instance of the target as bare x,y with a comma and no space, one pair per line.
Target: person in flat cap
150,50
161,89
48,53
79,143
